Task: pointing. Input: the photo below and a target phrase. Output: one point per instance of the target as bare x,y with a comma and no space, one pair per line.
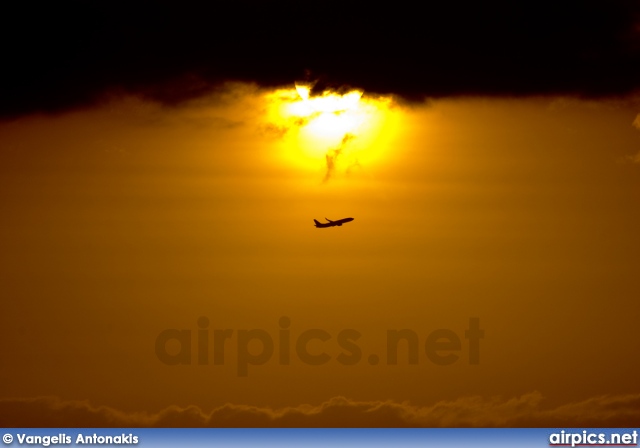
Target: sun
331,131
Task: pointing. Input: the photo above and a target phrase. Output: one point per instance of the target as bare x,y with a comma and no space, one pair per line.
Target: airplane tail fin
316,221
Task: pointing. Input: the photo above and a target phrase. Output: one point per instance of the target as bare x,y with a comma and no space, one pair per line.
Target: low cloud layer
63,56
527,410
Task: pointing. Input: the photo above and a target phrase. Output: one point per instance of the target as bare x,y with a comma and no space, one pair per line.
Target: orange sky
128,219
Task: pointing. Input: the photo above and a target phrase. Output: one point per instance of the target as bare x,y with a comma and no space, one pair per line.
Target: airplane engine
339,223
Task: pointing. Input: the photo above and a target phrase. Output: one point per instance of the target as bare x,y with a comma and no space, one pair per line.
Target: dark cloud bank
59,55
525,411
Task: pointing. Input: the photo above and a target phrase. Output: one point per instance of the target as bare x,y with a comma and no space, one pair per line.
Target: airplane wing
330,223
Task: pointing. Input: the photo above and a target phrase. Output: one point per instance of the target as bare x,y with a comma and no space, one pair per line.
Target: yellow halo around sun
351,128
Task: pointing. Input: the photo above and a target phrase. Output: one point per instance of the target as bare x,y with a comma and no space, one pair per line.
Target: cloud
333,154
527,410
78,52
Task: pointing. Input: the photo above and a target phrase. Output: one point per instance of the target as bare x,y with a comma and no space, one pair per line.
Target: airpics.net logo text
256,347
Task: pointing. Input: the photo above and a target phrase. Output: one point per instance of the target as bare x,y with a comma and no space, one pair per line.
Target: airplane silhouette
339,222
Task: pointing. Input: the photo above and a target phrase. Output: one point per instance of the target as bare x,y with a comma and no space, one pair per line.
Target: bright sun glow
332,132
